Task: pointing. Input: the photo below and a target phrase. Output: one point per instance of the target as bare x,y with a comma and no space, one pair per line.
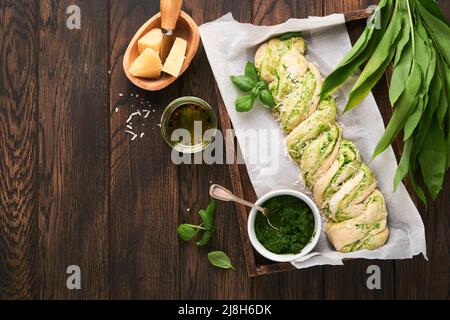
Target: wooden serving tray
242,187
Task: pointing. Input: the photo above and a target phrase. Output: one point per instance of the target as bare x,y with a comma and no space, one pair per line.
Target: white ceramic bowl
284,257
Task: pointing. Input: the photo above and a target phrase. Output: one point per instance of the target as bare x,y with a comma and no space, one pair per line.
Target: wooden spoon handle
220,193
170,10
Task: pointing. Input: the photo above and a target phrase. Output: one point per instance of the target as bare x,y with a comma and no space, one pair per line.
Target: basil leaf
187,232
205,239
266,98
207,220
250,72
244,103
255,93
243,83
289,35
432,162
377,64
207,216
220,259
212,206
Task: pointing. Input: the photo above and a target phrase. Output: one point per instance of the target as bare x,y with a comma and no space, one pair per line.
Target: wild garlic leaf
432,162
437,95
400,74
220,259
403,42
361,51
439,31
405,104
426,57
404,165
377,64
413,120
433,8
417,189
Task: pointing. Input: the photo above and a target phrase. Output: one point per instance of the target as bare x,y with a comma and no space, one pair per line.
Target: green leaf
255,93
403,42
266,98
250,72
432,162
404,165
289,35
207,216
446,85
400,74
414,119
438,30
243,83
206,237
360,52
244,103
433,8
262,85
437,95
212,206
220,259
377,64
426,57
207,220
403,108
187,232
417,189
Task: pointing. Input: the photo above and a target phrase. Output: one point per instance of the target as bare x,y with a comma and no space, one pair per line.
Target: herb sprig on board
205,230
187,232
413,37
255,88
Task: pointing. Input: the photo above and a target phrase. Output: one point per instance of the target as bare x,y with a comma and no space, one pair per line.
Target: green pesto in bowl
296,221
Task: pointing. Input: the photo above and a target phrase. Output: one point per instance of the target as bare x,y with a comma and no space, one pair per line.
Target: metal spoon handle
220,193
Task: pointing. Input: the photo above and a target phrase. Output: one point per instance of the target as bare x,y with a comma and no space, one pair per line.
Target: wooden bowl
186,29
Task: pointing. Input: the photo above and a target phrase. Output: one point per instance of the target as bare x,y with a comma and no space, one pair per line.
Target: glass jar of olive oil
189,124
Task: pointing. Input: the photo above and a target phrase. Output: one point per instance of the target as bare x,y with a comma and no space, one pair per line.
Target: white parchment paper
229,45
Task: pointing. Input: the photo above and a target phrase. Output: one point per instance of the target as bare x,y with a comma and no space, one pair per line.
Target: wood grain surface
75,190
18,149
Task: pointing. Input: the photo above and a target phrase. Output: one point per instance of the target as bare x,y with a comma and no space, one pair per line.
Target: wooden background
75,190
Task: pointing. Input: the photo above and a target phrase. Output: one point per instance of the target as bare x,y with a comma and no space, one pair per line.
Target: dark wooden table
74,190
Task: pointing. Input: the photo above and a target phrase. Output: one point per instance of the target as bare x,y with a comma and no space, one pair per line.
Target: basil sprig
206,229
252,84
187,232
414,37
